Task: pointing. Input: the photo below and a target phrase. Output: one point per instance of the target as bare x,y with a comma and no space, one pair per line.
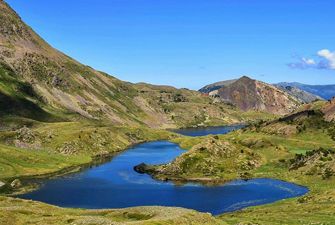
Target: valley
75,138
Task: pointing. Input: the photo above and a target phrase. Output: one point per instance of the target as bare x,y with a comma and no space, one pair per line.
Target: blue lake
203,131
116,185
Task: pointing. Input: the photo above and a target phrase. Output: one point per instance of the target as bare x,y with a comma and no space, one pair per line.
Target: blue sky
190,43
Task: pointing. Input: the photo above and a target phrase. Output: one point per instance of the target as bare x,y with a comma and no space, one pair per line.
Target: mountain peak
12,27
249,94
244,77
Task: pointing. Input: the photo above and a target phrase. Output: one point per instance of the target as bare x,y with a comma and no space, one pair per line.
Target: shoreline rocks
141,168
16,183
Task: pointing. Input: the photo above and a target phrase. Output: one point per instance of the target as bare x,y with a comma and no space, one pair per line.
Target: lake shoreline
124,181
31,182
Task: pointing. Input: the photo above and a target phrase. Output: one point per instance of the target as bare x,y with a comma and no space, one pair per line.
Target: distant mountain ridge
303,96
325,91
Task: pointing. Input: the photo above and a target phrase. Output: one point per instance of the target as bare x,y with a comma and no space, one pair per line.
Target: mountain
294,90
303,96
216,86
248,94
324,91
41,83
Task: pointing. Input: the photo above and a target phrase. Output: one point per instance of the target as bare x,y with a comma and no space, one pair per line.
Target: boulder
16,183
141,168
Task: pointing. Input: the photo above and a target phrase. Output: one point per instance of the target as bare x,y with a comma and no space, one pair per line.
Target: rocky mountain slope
324,91
248,94
41,83
304,96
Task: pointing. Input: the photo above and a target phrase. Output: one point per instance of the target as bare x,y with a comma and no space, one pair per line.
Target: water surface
203,131
116,185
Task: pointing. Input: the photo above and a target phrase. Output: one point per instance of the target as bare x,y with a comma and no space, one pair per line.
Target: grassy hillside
18,98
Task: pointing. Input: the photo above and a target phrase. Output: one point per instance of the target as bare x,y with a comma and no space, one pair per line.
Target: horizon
201,43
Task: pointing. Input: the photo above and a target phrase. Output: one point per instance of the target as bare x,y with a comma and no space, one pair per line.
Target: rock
16,183
26,135
141,168
56,81
69,148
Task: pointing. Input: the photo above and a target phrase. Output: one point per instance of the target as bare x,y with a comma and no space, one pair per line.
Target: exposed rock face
248,94
329,110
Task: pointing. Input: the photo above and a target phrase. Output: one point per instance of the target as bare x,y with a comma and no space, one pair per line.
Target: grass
16,211
16,162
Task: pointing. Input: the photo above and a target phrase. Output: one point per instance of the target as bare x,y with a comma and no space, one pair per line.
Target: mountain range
248,94
306,91
324,91
41,83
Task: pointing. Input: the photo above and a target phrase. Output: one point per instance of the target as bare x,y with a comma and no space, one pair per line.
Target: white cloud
309,61
329,56
326,61
304,63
